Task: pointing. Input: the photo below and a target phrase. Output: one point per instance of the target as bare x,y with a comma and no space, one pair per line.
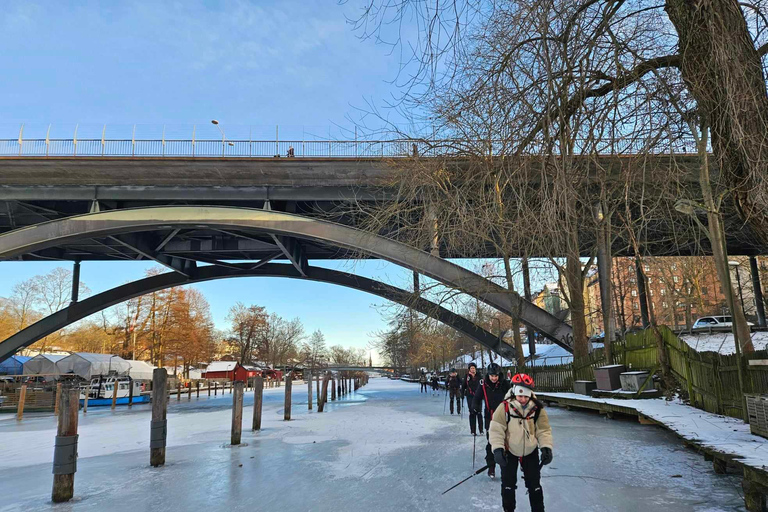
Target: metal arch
79,310
53,233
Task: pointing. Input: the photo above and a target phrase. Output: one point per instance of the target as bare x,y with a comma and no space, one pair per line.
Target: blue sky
251,65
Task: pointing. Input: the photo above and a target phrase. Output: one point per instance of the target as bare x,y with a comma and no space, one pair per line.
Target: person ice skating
519,430
423,383
435,387
454,390
491,391
468,387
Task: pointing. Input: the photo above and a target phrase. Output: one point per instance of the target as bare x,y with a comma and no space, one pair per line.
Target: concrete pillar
75,282
758,291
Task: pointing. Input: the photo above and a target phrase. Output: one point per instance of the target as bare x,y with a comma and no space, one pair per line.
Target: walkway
385,448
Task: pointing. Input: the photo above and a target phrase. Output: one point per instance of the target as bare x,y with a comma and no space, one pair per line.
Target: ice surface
386,447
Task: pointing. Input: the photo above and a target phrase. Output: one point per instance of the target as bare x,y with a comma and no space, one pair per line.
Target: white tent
140,370
43,364
87,365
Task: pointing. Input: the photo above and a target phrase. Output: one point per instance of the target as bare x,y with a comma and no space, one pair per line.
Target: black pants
423,387
455,395
475,417
489,453
532,477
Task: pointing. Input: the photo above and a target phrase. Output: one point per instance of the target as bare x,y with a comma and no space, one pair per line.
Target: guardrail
399,148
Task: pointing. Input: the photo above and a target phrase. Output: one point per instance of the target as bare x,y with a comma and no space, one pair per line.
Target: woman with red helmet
519,430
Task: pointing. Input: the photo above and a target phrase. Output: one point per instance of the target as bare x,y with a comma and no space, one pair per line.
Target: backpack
536,413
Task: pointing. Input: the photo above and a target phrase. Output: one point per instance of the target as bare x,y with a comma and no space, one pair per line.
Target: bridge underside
35,190
101,301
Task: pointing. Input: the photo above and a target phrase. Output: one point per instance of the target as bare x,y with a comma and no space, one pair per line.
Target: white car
715,321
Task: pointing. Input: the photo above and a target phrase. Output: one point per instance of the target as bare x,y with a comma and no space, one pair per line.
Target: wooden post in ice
317,386
56,399
65,449
197,386
333,389
237,412
258,391
158,428
287,405
85,401
309,391
323,394
189,392
114,393
178,391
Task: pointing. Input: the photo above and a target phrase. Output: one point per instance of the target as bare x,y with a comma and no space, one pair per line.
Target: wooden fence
710,379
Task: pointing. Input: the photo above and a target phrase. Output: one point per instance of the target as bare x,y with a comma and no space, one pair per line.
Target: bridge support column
527,291
641,291
75,282
758,291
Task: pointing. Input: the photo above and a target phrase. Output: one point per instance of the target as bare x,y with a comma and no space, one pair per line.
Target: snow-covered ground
386,447
722,341
721,433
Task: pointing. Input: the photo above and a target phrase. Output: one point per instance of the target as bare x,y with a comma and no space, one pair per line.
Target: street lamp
735,266
223,137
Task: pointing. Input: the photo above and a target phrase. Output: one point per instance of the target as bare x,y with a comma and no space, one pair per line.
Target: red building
234,371
231,370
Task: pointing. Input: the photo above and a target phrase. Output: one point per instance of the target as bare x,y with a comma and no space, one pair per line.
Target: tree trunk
519,354
575,281
723,71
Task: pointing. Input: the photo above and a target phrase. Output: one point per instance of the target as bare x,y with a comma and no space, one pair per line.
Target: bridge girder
117,222
79,310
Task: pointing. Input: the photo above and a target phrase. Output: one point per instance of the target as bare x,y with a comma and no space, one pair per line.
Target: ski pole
474,449
470,476
445,401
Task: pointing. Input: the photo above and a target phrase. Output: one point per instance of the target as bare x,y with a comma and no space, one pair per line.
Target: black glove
498,456
546,456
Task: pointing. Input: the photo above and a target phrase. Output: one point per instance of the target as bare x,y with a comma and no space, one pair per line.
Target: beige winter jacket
521,436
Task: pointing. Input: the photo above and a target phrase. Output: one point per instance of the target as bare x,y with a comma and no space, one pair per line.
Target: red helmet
524,380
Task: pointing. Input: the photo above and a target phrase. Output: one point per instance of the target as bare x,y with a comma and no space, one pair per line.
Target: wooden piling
65,451
208,385
189,392
309,391
333,389
323,394
114,393
317,385
178,391
215,388
287,405
258,392
85,401
230,387
158,426
58,397
197,389
237,412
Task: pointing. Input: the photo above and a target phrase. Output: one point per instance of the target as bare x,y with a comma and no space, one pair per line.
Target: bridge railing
399,148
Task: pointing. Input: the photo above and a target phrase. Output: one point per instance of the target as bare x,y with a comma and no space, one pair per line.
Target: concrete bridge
197,213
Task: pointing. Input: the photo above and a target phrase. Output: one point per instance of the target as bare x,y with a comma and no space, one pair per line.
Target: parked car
715,321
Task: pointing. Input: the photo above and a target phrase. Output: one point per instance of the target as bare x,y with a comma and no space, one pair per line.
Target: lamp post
223,137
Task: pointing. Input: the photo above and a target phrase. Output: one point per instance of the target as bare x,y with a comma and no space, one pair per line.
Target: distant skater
423,383
454,390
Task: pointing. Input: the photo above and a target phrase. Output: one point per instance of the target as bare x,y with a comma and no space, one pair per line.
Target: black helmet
453,370
494,369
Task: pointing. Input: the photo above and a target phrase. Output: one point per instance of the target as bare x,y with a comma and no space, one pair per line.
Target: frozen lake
384,448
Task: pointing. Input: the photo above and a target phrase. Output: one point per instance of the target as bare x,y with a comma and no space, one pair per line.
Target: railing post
309,392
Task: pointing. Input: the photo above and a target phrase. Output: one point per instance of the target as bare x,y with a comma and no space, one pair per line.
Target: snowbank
721,342
721,433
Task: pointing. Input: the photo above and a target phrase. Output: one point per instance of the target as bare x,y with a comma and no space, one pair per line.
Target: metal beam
293,251
79,310
141,246
116,222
